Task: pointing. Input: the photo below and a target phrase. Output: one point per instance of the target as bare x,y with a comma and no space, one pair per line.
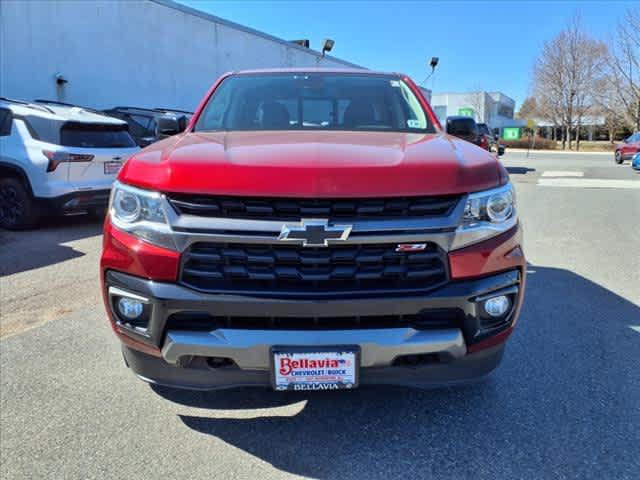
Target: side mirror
168,126
500,150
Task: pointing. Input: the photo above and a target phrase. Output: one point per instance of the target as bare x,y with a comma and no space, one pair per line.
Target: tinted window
482,128
314,101
318,111
183,122
95,136
505,111
6,119
141,125
461,126
42,129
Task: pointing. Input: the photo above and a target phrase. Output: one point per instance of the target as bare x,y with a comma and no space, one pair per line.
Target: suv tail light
56,158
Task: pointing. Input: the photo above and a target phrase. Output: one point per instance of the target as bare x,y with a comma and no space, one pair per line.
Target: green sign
467,112
511,133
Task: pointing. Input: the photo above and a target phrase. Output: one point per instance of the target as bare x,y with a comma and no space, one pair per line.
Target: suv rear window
461,126
95,136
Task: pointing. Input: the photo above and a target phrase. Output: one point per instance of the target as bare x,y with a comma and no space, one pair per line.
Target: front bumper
404,355
200,375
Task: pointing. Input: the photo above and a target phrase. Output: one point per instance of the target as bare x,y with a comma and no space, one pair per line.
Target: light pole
327,45
433,64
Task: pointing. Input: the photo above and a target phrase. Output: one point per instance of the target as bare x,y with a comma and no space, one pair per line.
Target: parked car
312,230
467,129
489,138
150,125
56,158
635,162
628,148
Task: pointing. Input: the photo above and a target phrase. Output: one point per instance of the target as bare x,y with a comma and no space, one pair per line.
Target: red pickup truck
312,229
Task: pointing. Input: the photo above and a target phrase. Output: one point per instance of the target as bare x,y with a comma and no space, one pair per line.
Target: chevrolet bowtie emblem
314,233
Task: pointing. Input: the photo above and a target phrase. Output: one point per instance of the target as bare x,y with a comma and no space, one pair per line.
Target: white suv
57,158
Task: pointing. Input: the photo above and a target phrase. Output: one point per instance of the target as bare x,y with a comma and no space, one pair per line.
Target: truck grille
287,209
212,267
426,319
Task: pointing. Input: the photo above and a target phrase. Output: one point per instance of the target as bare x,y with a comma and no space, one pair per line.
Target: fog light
497,306
129,308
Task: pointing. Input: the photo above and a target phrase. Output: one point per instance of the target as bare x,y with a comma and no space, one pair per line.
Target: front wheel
18,210
618,157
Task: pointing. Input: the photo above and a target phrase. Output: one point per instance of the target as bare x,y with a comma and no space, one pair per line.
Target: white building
426,92
144,53
493,108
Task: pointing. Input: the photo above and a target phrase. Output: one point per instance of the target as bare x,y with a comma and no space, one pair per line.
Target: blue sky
481,45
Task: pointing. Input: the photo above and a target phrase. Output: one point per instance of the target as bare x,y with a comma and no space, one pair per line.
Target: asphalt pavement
565,403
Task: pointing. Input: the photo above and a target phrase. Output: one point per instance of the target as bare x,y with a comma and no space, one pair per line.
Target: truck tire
618,157
18,210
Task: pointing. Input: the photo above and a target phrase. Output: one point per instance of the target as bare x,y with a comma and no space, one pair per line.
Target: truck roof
316,70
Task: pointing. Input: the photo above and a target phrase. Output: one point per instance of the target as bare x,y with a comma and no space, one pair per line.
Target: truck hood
312,164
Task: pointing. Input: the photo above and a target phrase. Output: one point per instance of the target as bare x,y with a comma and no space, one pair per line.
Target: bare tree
528,109
564,77
476,100
551,82
624,64
550,108
608,106
590,72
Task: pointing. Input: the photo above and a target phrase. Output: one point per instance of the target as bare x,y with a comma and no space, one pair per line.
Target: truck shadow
559,405
30,249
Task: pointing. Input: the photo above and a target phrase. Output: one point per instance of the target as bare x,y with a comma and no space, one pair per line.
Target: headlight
140,213
127,206
487,214
500,206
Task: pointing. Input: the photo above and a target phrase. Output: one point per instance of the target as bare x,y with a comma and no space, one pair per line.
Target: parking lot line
562,173
588,183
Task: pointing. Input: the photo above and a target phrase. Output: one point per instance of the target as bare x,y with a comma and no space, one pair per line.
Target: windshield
315,101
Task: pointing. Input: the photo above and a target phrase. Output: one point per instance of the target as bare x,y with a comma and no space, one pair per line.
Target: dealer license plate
111,168
305,369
